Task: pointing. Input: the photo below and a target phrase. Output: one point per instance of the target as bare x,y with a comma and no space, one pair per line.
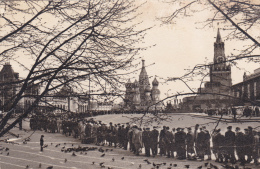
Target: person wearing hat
216,144
146,141
249,141
154,140
41,142
207,143
230,145
190,144
200,143
239,143
168,141
162,141
137,140
180,144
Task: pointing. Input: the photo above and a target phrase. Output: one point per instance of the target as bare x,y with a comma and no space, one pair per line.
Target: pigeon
140,166
187,166
27,166
40,165
51,144
164,163
174,165
101,163
107,150
65,160
6,149
101,150
81,152
154,164
200,167
102,155
169,168
50,167
171,164
7,154
86,153
122,158
206,164
113,159
72,145
73,154
93,163
148,162
111,149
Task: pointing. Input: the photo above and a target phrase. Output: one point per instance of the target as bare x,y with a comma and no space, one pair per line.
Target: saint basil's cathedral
140,96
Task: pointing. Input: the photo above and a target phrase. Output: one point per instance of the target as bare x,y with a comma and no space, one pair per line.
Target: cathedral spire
218,40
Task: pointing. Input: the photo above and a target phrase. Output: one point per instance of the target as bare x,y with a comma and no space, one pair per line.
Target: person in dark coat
180,137
249,141
154,140
41,142
230,145
239,143
216,138
162,141
168,141
146,141
200,144
207,143
190,144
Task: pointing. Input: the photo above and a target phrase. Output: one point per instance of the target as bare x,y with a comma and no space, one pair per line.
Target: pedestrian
207,143
162,141
168,141
239,143
256,147
154,140
41,142
230,145
146,141
200,143
216,140
137,139
190,144
249,141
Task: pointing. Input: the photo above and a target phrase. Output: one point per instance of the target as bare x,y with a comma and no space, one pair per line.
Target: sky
183,45
179,46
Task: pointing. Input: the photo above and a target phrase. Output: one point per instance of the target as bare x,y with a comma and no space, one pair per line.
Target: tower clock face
220,59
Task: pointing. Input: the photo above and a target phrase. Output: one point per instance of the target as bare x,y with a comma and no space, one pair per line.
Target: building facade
247,92
140,96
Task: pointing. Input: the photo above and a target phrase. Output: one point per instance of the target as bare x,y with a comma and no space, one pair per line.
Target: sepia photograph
129,84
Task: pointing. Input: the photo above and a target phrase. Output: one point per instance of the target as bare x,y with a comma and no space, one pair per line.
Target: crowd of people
243,111
190,144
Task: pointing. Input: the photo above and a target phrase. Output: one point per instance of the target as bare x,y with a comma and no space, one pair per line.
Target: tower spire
218,40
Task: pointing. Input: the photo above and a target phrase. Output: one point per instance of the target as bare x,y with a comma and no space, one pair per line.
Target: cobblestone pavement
22,155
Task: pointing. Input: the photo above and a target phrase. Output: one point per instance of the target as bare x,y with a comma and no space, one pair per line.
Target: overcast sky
183,45
179,46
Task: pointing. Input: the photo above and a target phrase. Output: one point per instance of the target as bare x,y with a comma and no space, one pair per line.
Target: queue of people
180,143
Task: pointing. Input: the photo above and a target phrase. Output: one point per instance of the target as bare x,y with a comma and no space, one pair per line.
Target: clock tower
220,70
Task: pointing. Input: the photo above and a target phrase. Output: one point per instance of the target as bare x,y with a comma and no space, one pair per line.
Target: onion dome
155,82
147,89
136,84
